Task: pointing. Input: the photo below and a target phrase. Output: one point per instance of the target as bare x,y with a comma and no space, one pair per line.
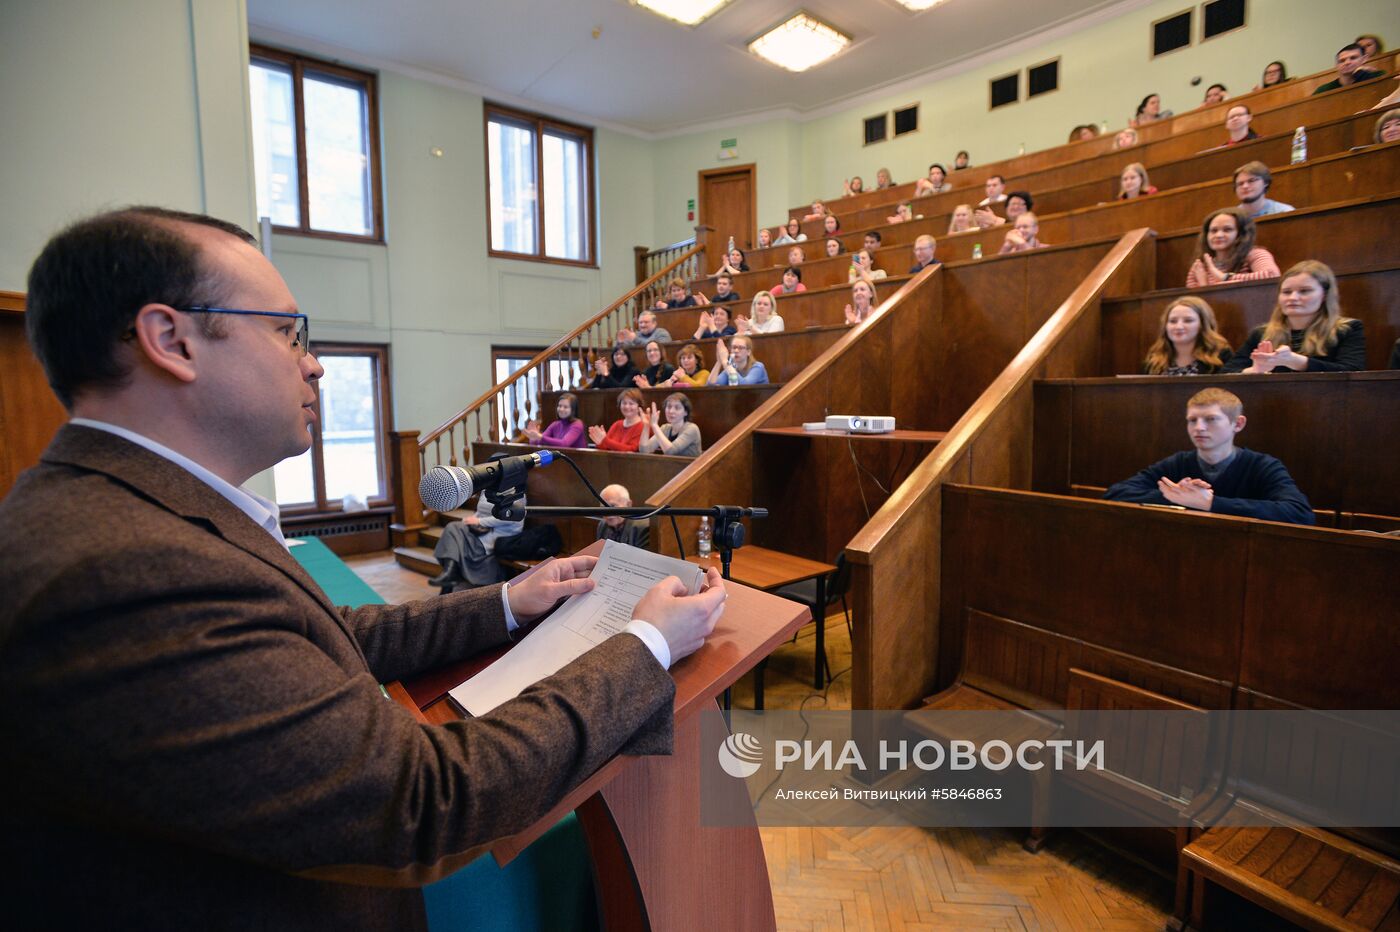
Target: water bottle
976,250
703,544
1023,149
1300,146
731,244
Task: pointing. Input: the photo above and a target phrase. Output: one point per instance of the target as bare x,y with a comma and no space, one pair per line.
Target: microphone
444,488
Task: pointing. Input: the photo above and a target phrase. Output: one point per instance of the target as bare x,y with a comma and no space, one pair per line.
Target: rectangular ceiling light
686,12
799,43
918,6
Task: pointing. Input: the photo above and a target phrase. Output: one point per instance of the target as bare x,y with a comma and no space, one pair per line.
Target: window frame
1152,53
385,425
1031,95
992,105
1224,32
539,124
300,65
894,120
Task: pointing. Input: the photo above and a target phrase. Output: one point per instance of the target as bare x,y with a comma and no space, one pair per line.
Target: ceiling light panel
685,12
800,43
918,6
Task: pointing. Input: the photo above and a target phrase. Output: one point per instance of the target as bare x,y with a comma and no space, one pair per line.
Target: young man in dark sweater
1218,476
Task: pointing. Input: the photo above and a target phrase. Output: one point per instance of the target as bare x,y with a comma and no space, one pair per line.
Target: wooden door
728,204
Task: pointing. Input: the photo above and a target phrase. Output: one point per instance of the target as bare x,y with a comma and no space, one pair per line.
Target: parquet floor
906,878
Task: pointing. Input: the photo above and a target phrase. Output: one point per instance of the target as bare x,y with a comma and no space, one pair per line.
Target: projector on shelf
860,423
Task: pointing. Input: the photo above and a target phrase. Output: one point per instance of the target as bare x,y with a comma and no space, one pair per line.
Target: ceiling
646,74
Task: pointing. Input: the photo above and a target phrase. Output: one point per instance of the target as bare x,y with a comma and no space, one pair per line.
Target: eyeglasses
301,338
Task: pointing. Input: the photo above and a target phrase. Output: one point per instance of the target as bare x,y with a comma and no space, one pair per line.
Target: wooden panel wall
29,412
1214,595
897,564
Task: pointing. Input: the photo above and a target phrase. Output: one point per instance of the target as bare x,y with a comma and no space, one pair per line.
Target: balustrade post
405,471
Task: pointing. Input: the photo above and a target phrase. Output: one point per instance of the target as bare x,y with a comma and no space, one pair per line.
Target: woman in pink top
565,432
1227,251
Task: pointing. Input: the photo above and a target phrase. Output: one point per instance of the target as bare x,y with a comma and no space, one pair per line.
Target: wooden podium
656,867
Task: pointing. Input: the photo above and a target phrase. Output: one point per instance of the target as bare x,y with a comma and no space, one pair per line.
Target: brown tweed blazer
195,737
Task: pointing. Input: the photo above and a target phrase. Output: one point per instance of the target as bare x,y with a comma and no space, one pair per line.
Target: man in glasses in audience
201,739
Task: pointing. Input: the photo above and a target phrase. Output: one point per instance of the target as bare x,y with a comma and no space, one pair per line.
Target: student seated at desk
1188,341
764,320
690,368
658,369
567,431
679,436
1218,476
737,366
1227,251
1306,332
620,373
625,434
715,323
628,531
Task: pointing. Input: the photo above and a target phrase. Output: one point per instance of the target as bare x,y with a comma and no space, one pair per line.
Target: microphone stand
729,529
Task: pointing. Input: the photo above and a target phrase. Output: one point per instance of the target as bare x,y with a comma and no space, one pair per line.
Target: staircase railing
565,365
650,262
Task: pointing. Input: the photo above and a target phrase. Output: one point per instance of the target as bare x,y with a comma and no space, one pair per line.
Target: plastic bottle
1023,149
731,244
703,544
1300,146
976,250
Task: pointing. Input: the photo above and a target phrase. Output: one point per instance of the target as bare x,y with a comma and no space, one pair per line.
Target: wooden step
418,559
431,535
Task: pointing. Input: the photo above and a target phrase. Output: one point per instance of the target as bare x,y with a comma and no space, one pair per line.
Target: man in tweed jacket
196,737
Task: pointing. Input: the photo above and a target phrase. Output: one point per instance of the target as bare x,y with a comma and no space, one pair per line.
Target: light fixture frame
801,11
676,22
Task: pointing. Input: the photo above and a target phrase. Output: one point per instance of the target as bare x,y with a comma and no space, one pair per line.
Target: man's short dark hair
724,277
91,279
997,177
876,234
1025,197
1349,47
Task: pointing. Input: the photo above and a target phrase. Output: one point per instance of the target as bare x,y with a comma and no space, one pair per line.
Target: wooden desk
656,866
772,569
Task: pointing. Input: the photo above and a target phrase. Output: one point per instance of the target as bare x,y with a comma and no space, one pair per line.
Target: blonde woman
1306,332
764,320
1133,182
1188,341
961,221
736,365
862,302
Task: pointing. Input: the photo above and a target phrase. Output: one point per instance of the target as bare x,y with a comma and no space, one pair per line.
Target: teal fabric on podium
549,886
331,573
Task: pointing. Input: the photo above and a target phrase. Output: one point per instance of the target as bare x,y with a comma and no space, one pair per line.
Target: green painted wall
799,161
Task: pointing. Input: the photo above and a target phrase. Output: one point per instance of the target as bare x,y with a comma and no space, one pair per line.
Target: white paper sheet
623,574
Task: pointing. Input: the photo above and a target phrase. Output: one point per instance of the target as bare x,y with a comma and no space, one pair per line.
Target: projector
860,423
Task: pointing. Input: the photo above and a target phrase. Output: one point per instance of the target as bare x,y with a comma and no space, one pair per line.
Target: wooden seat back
715,410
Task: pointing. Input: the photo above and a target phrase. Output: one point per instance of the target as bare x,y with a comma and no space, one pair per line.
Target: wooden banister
564,365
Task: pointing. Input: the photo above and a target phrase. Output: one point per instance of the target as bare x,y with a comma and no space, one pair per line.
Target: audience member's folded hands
1188,493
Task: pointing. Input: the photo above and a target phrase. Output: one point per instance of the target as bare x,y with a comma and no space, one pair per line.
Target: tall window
315,128
348,454
540,173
